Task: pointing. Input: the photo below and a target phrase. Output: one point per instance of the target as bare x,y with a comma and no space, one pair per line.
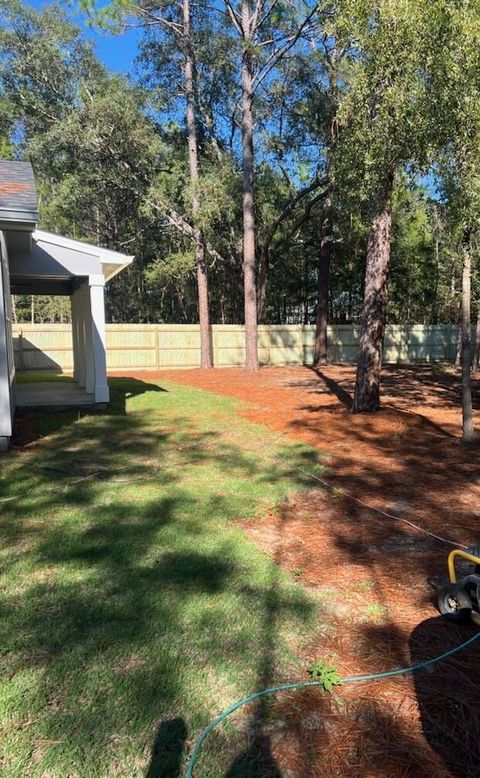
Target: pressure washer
459,600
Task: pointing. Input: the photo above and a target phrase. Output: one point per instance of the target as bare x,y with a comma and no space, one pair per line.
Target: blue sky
117,52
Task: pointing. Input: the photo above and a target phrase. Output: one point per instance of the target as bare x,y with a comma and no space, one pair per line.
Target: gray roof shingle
18,194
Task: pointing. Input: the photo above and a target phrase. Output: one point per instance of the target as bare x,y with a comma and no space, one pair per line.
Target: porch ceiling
49,286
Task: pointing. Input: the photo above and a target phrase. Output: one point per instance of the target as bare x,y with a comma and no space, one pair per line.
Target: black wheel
455,604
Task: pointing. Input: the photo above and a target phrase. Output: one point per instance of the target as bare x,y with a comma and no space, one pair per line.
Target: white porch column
96,340
5,387
88,339
78,303
7,370
75,335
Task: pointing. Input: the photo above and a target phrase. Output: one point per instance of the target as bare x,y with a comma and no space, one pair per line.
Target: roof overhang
112,262
54,264
26,221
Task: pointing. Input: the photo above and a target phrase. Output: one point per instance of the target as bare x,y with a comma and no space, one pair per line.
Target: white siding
7,367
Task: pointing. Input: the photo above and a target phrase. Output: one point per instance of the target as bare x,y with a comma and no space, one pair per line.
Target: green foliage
42,65
170,268
386,117
420,270
6,147
326,675
42,309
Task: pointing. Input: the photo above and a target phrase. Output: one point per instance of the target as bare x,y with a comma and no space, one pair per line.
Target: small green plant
376,612
325,675
363,586
337,493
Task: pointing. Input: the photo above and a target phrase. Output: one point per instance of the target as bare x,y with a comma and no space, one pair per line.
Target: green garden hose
300,684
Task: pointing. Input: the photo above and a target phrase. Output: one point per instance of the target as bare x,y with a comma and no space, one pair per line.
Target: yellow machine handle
458,552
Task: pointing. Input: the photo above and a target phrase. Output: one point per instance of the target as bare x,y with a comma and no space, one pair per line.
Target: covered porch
55,265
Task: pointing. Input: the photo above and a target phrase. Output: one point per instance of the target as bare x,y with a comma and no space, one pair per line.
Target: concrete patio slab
52,394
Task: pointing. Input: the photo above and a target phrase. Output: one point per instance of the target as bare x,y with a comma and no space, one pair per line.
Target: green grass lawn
133,608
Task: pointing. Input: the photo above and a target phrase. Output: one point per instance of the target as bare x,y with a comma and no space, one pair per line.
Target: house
38,262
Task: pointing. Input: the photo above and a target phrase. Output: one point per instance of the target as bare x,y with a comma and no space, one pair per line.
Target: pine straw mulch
370,573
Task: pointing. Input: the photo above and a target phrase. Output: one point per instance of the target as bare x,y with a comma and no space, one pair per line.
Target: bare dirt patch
370,572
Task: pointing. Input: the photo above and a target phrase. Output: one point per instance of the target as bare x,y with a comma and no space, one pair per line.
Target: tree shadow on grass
420,459
257,760
32,424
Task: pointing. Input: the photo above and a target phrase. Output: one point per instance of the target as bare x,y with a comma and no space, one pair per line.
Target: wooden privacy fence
48,347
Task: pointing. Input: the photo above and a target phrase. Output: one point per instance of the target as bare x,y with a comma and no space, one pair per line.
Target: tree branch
143,13
236,19
178,221
292,203
277,55
305,217
254,17
174,218
267,13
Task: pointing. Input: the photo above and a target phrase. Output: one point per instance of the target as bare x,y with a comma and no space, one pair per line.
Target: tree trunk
206,359
369,365
320,356
476,358
467,411
249,281
458,351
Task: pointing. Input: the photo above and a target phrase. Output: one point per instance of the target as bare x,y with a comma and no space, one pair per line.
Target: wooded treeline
265,161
